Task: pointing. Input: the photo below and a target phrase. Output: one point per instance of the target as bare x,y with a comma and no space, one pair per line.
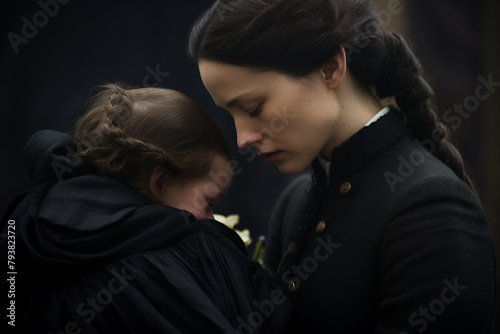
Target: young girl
122,240
388,236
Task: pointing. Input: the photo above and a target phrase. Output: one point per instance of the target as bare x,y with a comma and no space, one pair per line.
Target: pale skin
198,196
322,110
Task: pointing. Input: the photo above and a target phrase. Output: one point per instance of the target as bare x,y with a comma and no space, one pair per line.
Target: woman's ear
157,182
333,72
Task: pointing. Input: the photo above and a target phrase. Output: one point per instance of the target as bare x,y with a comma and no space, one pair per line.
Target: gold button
320,227
291,287
291,248
345,188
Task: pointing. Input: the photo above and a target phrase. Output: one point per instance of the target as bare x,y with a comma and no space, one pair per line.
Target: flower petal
245,236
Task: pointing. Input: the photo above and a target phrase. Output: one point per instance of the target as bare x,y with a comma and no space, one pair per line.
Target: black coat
94,255
394,243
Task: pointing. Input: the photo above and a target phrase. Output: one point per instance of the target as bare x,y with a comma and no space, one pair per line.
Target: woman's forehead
226,82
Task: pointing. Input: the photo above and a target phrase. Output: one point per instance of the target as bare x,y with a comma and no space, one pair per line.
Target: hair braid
387,64
404,79
126,132
107,144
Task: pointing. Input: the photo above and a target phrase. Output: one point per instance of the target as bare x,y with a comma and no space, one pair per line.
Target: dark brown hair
126,132
296,37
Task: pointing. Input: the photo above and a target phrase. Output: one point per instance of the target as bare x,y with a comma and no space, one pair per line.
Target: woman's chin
291,168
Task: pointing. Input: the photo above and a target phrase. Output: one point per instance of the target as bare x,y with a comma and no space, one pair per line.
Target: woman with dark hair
388,236
122,240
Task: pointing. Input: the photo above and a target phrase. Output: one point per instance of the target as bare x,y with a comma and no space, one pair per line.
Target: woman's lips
271,157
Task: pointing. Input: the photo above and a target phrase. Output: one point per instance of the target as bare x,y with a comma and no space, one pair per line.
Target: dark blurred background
58,53
47,83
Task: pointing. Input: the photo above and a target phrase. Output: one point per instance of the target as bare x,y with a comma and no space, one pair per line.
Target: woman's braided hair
126,132
297,37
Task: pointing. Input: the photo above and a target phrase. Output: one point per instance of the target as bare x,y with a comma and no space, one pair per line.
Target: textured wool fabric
395,243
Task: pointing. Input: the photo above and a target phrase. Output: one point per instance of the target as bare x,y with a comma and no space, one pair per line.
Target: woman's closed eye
256,111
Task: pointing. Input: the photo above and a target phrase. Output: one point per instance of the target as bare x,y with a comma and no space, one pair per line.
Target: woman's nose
247,139
247,136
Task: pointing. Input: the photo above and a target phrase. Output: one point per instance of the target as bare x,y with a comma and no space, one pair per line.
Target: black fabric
97,256
406,250
289,205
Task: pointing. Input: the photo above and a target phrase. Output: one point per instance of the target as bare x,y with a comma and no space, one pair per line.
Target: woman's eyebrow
237,99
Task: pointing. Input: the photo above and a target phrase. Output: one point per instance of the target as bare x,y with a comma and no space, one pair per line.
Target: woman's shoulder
423,194
410,166
408,184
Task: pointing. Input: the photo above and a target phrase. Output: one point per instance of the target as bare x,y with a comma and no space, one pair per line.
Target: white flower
245,236
231,221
